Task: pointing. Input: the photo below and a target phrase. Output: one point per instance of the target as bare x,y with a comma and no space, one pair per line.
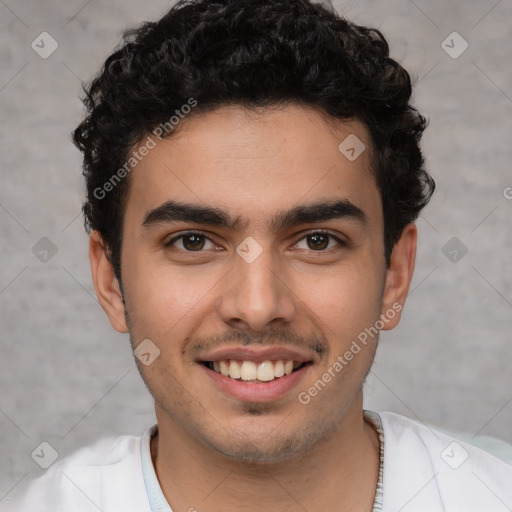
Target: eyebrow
173,211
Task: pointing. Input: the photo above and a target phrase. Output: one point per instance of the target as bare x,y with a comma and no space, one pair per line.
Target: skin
214,452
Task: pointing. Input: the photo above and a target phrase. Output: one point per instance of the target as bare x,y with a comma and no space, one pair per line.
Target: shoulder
424,467
95,477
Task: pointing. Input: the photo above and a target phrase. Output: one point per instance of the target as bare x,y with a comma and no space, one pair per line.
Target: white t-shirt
422,470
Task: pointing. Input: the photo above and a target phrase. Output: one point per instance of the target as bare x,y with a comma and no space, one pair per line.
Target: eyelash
184,234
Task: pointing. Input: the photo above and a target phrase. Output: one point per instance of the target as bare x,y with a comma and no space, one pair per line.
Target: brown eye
193,242
190,242
318,241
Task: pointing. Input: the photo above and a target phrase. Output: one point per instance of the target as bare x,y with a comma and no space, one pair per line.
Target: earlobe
106,283
398,277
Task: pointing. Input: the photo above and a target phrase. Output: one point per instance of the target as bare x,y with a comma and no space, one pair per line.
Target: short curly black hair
251,53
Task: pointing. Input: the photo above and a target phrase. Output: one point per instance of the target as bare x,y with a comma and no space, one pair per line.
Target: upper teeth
249,370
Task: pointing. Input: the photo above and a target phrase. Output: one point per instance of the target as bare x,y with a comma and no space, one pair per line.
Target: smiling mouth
255,372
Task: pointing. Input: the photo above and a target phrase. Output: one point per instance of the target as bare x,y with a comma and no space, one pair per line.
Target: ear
398,277
106,283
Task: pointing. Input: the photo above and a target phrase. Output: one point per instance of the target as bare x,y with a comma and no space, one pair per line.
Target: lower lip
252,392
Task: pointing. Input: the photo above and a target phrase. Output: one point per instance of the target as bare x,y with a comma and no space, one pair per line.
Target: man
253,175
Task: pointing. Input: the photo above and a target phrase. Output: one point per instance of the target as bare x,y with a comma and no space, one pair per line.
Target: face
252,248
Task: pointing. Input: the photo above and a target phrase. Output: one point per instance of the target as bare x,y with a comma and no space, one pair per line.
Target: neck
339,473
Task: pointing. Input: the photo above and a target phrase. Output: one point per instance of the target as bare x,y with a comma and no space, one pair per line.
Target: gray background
67,378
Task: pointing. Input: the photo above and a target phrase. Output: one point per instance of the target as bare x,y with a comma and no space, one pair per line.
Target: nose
256,295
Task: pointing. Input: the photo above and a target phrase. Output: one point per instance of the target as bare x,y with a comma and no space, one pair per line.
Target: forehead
256,163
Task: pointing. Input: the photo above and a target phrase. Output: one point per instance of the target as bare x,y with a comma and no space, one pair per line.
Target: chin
264,447
255,453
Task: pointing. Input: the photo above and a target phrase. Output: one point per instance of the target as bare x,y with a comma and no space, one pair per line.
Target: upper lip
256,354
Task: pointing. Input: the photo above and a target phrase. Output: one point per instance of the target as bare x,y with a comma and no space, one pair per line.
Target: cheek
163,299
345,299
